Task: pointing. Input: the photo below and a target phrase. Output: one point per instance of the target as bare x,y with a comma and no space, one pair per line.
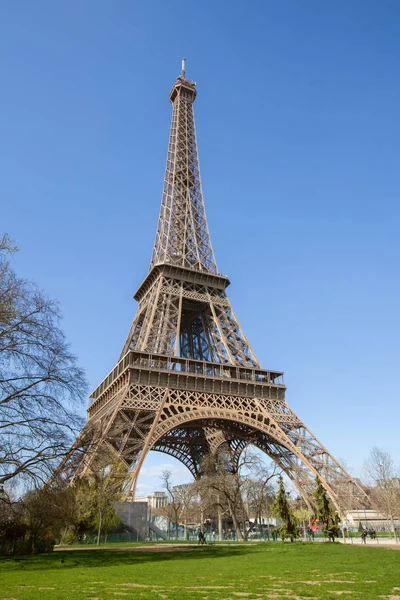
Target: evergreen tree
281,509
326,512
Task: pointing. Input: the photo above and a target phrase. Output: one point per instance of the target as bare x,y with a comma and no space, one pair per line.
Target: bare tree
206,503
231,487
40,382
7,245
259,491
186,494
175,503
383,477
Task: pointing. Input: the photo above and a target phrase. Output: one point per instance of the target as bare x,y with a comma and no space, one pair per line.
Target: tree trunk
235,521
64,534
393,528
250,528
99,529
219,524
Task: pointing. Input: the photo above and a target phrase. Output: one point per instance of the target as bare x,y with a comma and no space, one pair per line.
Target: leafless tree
206,504
174,506
7,245
383,478
40,381
186,494
259,491
233,488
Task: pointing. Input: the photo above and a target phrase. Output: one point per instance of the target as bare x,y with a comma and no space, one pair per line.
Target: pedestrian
364,536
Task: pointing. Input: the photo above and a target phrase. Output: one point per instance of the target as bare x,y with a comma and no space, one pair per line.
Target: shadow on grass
303,554
108,558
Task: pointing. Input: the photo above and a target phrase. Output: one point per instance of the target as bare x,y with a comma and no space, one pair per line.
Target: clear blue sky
298,127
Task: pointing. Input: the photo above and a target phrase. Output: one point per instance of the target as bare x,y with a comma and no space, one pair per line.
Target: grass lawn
254,572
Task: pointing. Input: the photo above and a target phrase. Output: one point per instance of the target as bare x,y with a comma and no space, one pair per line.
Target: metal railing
190,366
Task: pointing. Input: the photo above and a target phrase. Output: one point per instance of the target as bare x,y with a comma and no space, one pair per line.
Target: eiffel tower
187,382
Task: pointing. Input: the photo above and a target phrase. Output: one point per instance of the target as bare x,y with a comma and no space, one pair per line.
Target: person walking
364,536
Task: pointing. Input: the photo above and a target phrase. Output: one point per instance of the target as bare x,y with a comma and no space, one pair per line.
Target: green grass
254,572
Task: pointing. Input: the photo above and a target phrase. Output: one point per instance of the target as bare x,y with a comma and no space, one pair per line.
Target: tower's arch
238,431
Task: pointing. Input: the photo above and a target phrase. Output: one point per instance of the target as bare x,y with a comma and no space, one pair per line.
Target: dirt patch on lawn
340,593
199,588
46,588
136,585
203,589
290,596
337,581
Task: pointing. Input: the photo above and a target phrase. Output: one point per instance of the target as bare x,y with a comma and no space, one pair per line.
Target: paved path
382,543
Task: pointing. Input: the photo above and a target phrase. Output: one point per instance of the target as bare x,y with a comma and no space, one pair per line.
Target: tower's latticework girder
188,381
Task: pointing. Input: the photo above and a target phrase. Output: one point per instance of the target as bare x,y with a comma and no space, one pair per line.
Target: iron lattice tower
187,381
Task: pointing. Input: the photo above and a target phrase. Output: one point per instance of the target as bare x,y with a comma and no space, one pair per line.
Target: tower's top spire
183,83
182,237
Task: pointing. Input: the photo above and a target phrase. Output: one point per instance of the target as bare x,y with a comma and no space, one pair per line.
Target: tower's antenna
183,72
